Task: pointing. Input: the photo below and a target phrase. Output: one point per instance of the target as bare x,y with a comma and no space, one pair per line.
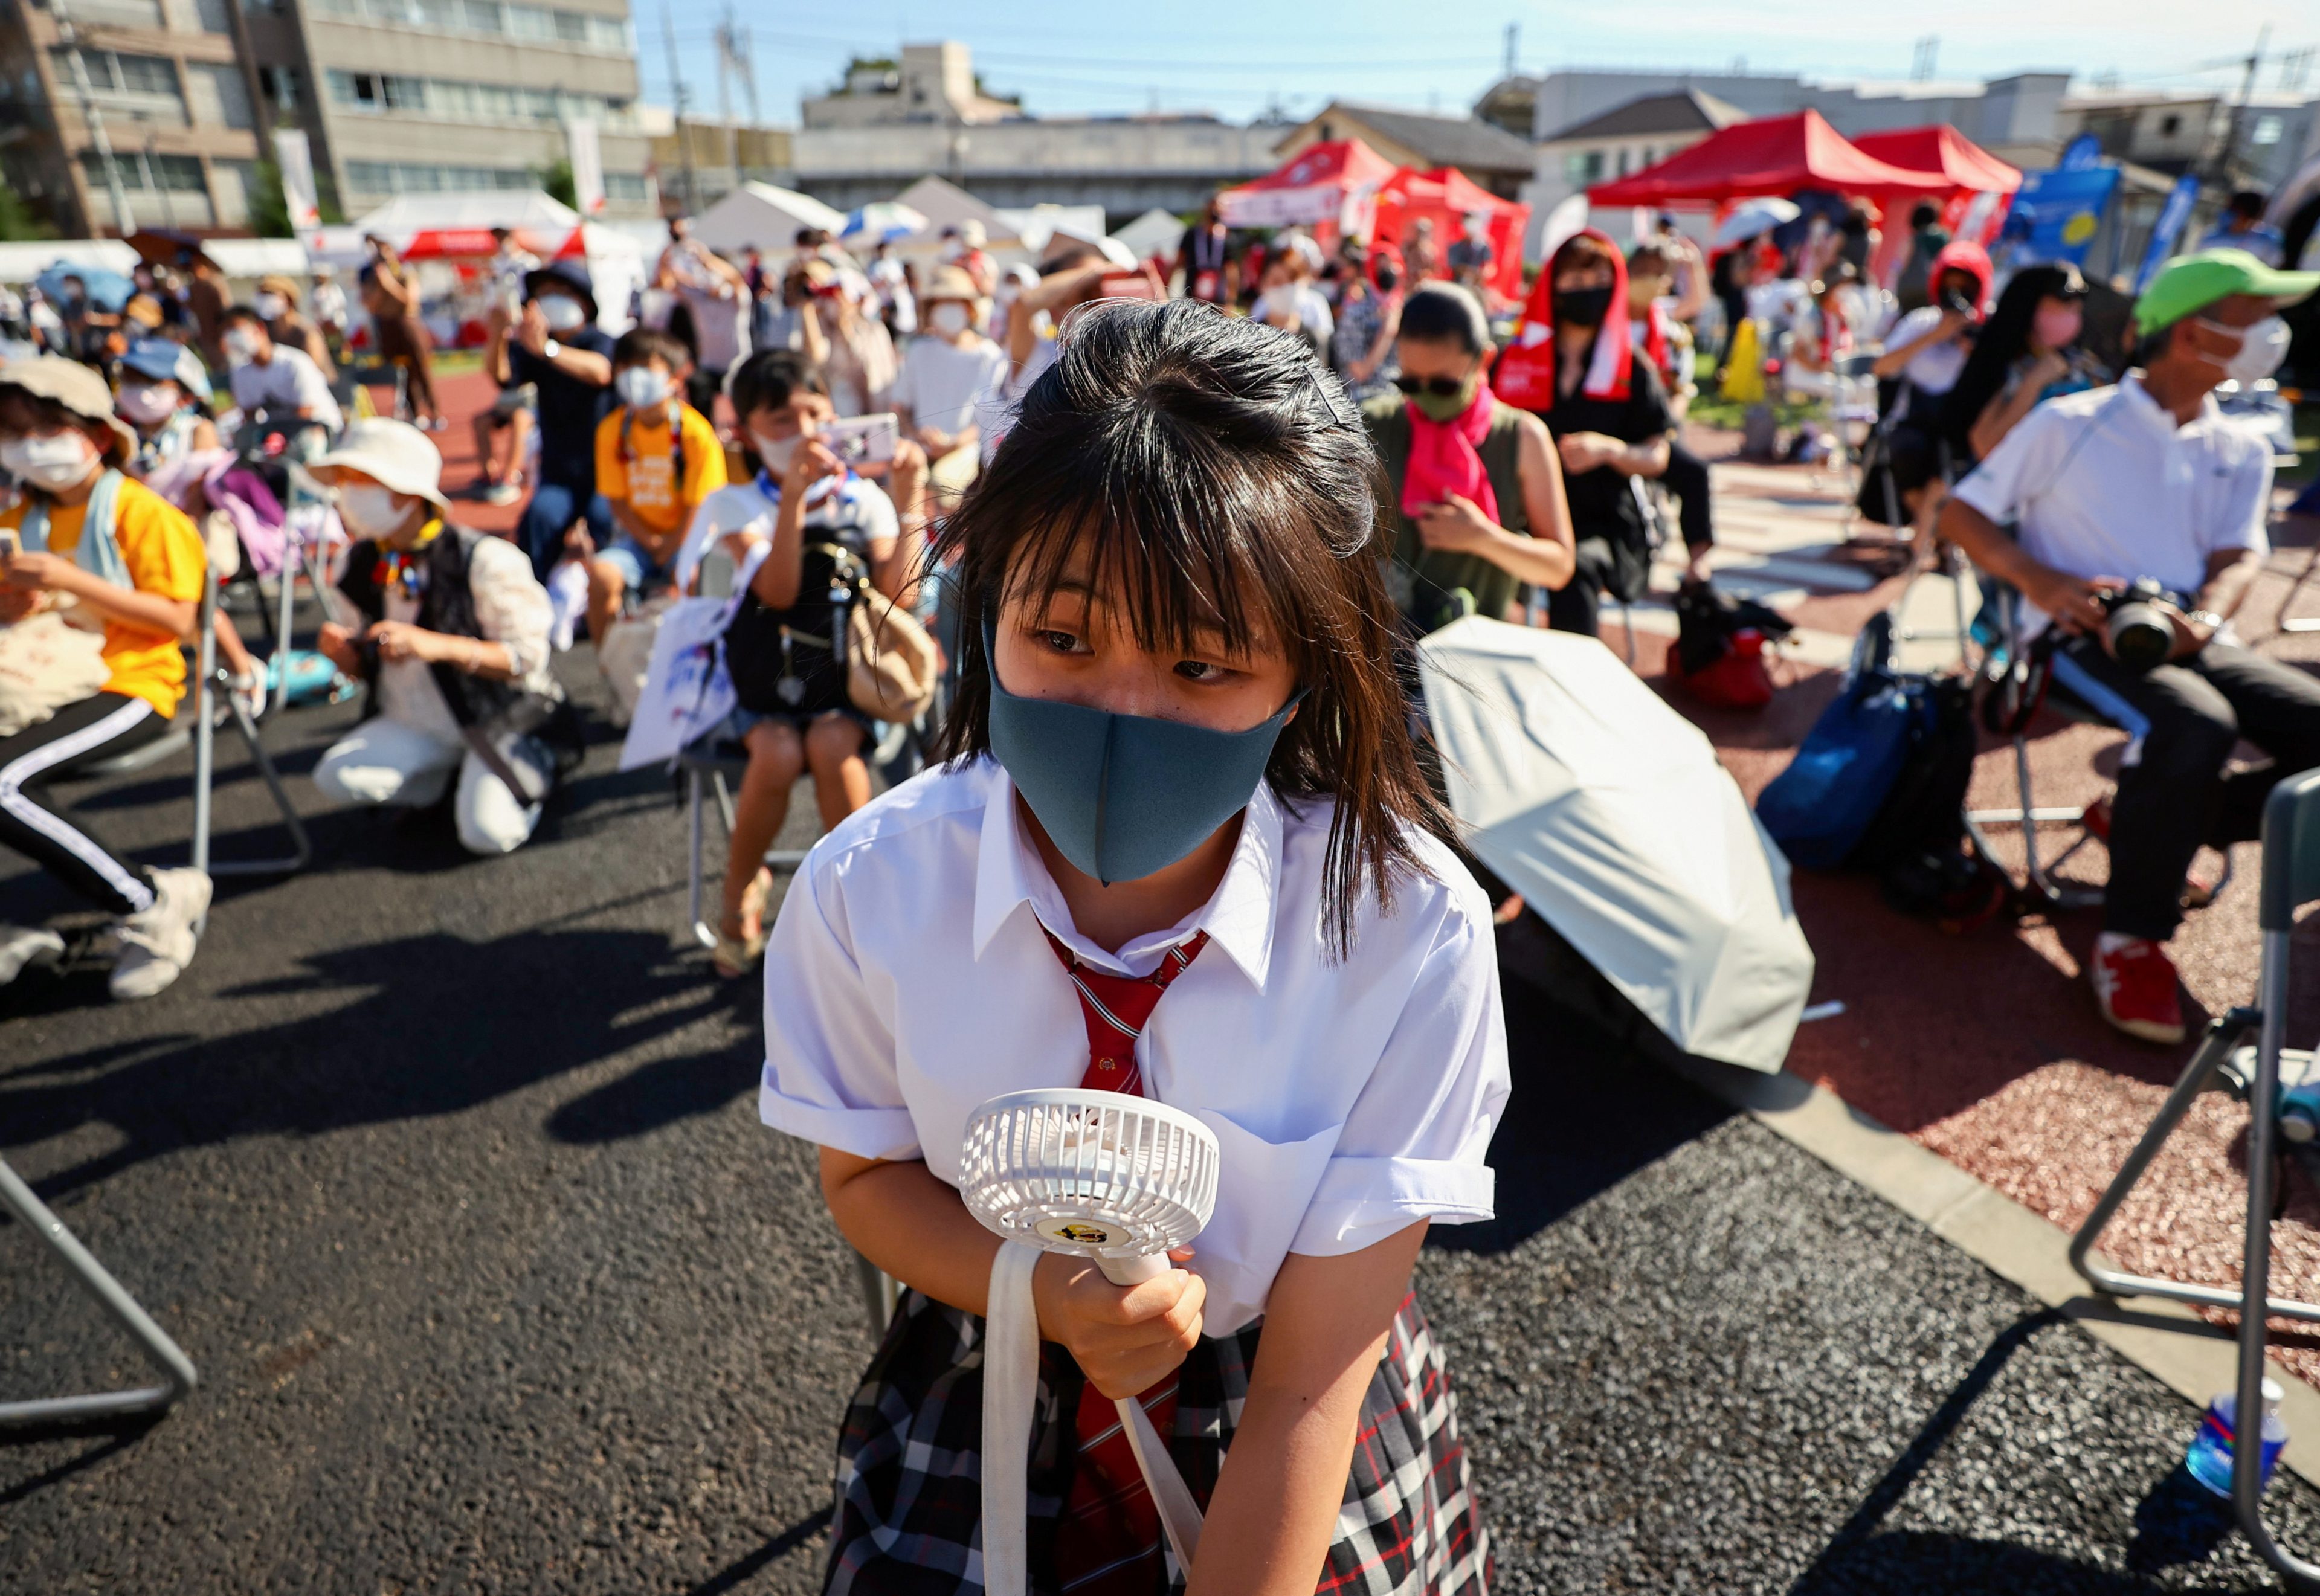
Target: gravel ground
447,1174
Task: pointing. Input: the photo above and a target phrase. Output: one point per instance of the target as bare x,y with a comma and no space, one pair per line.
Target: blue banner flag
2168,228
2055,213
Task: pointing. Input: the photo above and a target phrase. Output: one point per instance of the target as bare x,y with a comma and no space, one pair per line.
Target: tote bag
687,688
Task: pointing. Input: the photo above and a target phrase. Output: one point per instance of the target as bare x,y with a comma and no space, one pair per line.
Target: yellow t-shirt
164,557
642,475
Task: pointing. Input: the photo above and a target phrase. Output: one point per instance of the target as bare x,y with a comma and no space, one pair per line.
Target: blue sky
1234,59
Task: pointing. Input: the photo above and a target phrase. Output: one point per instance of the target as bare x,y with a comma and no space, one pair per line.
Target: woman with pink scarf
1474,493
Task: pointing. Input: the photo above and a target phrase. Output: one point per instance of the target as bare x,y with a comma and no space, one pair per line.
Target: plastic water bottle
2209,1458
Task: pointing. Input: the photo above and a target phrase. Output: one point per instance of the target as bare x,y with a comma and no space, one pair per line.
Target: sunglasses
1441,387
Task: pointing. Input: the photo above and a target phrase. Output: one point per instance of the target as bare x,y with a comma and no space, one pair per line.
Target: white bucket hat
395,453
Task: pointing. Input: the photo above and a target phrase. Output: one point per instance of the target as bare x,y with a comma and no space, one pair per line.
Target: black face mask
1582,307
1388,279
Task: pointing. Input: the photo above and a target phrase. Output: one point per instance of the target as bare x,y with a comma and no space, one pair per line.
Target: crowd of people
1175,525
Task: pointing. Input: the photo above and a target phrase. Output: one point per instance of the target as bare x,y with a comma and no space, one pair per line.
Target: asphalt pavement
447,1174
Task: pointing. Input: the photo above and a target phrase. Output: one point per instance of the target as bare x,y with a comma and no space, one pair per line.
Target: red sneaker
2198,891
2136,990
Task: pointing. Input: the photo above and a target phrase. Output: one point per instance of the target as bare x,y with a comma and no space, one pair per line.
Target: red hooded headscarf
1970,258
1525,374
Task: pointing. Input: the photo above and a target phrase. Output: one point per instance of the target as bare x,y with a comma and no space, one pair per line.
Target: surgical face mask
640,387
51,463
2056,327
369,510
1122,796
776,453
2262,347
951,251
147,405
1582,307
563,312
240,348
269,305
948,319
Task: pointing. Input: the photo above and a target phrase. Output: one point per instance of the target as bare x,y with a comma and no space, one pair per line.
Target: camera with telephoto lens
1962,304
2139,632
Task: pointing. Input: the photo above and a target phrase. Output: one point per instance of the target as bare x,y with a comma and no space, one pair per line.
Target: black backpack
1916,845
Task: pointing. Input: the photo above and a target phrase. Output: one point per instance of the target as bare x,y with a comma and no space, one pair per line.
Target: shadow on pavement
383,1055
1587,1109
742,1571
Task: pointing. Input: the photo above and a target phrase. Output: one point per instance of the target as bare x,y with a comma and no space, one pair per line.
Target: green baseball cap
2193,282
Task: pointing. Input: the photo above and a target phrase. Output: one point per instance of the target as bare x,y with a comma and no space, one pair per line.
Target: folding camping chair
2291,879
209,682
707,768
166,1355
2020,679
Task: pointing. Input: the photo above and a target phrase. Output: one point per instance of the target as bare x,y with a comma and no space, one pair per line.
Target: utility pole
123,218
1921,60
1514,41
2223,169
676,89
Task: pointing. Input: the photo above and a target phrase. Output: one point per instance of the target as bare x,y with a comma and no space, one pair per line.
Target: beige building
166,84
396,96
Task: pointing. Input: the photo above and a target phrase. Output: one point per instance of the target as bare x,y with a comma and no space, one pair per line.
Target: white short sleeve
2022,465
1413,1146
2240,518
905,394
874,513
830,1073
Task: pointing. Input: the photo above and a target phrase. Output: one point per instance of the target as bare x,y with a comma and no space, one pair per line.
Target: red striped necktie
1108,1540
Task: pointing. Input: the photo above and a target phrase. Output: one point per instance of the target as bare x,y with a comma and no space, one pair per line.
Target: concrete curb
2192,1356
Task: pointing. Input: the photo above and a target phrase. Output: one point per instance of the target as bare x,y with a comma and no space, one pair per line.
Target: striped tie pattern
1107,1542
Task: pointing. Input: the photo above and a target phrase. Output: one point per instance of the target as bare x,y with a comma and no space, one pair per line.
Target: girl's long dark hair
1216,477
2003,340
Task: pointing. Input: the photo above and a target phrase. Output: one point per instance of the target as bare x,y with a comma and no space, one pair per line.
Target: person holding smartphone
815,524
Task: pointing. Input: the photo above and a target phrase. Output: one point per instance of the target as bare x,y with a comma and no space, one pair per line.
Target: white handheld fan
1098,1175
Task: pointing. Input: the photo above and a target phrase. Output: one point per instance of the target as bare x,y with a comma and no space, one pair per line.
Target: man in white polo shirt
2148,479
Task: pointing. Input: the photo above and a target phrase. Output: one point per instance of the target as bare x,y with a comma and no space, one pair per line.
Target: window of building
499,18
110,72
150,174
454,100
399,176
120,13
2169,125
284,86
2267,129
625,186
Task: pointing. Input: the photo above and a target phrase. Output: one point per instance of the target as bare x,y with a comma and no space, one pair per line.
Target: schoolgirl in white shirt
1178,766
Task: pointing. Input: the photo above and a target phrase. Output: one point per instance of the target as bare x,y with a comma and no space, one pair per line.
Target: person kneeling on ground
87,538
455,648
2149,479
1473,495
811,514
657,459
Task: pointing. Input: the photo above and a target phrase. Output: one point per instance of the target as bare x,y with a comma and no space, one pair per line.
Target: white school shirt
2105,484
908,981
288,383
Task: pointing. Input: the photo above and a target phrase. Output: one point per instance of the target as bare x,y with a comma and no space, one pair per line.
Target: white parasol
1751,217
1607,812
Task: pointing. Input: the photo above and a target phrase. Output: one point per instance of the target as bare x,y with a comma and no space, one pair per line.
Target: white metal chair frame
2291,878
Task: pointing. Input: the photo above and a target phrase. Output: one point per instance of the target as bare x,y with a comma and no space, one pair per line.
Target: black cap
571,274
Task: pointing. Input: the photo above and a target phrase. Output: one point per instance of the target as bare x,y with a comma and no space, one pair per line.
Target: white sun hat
395,453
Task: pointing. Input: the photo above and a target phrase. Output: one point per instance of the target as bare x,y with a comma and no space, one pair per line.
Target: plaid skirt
909,1486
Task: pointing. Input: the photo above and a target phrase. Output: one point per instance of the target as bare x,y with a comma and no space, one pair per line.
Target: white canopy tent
945,205
1155,233
758,216
1607,812
1038,226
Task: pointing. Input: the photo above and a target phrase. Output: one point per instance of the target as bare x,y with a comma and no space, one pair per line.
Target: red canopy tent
1981,186
1324,187
1448,197
1773,155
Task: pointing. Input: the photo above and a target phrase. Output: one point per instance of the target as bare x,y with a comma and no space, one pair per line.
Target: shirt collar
2154,415
1238,917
